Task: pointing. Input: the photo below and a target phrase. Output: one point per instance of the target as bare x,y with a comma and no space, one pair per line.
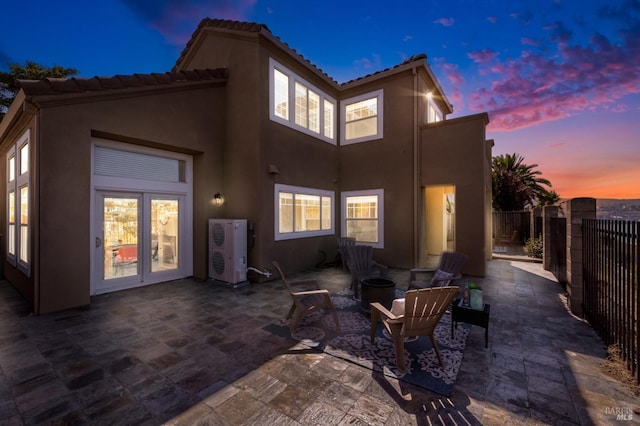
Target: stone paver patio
189,352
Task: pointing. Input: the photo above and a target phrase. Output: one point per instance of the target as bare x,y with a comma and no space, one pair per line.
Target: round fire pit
377,289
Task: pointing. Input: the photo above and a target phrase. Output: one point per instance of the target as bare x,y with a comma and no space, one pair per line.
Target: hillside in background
618,209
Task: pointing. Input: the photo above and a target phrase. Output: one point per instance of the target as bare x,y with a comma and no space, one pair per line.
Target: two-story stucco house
135,162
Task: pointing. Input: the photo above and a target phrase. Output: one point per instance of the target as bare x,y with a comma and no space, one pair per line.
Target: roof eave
52,100
14,112
406,66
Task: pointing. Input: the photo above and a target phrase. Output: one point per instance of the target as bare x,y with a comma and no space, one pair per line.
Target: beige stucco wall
253,142
453,154
387,164
228,132
190,121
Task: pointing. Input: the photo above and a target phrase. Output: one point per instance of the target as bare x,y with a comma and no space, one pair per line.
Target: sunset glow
560,79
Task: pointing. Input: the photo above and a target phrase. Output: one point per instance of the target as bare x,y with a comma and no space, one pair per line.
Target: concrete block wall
576,209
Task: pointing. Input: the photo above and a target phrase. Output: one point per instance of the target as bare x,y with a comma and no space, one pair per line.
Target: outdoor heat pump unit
228,251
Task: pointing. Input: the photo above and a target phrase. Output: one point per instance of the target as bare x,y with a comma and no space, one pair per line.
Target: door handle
98,242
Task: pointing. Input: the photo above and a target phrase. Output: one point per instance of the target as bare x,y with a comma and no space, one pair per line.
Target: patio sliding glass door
137,239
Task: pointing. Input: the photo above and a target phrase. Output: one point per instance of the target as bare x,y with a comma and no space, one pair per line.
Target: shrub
533,247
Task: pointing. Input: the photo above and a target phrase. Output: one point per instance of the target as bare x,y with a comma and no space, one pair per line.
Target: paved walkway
188,352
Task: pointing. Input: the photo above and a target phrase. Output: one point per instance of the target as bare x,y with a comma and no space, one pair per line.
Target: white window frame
18,255
379,96
279,236
380,194
325,134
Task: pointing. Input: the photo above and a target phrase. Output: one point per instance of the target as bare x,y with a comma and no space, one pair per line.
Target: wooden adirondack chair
362,265
307,301
449,269
343,248
419,316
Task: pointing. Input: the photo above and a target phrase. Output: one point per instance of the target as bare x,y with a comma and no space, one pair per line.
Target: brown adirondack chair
361,265
419,316
305,302
449,269
343,248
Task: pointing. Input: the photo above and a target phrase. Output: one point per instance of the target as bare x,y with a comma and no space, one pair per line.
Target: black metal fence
611,294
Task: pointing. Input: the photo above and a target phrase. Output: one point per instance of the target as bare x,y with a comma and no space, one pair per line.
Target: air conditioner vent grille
218,234
217,262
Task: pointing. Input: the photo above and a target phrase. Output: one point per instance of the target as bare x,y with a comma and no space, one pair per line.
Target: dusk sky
560,79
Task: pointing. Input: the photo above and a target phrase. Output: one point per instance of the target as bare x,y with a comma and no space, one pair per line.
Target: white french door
142,216
138,239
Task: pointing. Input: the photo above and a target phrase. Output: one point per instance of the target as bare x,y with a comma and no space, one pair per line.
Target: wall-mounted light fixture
272,169
218,200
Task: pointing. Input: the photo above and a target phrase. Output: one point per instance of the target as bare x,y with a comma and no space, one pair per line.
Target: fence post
547,213
577,209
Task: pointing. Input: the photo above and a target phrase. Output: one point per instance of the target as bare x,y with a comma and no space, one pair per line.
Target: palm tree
548,198
517,185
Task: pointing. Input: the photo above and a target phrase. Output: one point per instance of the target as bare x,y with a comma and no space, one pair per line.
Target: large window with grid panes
361,118
302,212
17,203
363,216
298,104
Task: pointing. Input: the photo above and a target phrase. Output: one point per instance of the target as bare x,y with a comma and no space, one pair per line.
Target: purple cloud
533,88
453,74
530,41
176,19
367,64
492,19
445,22
482,56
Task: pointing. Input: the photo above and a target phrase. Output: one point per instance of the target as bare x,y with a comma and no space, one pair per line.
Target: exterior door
138,239
118,241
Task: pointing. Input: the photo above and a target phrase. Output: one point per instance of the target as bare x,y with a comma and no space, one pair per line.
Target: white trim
379,95
101,184
21,180
380,194
290,120
278,188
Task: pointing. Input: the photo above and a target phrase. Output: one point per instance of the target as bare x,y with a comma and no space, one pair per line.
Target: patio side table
467,315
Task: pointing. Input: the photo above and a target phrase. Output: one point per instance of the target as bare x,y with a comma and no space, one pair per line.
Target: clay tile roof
56,86
87,84
247,27
162,78
63,85
110,82
37,87
129,81
146,79
414,58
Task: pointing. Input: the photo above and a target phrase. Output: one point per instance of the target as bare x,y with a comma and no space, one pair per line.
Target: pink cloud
481,56
368,63
453,74
533,88
445,22
492,19
529,41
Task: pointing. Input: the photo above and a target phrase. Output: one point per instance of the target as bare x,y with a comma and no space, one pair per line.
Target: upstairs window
280,95
362,118
313,110
434,114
